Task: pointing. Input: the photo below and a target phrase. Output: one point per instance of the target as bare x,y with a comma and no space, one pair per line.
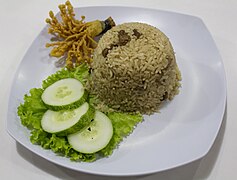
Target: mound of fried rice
134,68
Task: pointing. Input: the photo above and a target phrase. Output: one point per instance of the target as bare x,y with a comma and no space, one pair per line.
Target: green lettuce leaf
32,110
80,73
59,145
123,125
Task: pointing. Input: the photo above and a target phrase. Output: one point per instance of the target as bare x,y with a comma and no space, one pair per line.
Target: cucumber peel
66,122
84,121
94,137
73,105
68,93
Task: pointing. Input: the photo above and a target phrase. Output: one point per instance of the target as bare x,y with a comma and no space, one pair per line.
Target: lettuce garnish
33,108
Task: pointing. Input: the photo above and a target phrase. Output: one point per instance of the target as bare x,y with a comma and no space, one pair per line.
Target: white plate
185,129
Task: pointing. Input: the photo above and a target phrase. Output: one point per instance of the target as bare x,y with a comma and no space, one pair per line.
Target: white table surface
20,23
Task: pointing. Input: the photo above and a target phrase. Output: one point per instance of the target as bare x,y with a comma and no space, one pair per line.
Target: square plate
182,132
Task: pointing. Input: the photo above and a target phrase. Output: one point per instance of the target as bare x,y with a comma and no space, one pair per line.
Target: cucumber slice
67,122
94,137
66,93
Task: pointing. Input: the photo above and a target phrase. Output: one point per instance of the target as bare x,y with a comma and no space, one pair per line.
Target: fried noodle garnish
74,38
